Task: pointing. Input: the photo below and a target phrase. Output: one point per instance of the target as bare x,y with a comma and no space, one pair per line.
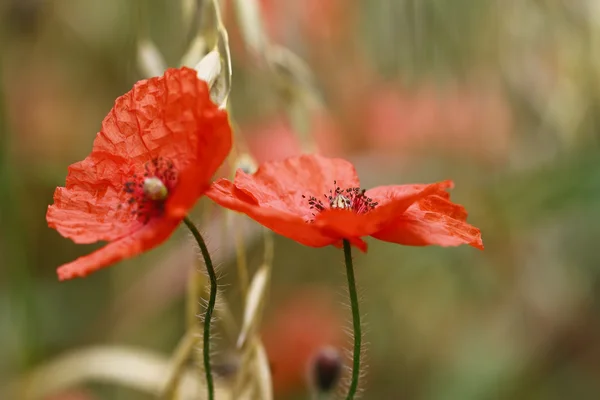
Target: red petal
386,194
274,217
170,117
215,144
146,238
280,185
433,220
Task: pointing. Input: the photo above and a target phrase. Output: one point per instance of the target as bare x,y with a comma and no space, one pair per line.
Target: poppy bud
325,369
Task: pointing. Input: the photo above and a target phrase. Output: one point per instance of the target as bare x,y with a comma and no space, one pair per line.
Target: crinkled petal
146,238
215,144
391,193
280,185
434,220
279,220
170,117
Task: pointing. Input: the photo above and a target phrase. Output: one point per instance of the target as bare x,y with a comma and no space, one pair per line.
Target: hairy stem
209,308
355,320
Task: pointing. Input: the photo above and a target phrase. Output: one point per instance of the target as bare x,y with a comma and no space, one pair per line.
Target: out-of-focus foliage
502,96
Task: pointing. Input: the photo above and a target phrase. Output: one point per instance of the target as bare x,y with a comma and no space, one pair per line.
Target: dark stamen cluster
140,205
315,203
353,199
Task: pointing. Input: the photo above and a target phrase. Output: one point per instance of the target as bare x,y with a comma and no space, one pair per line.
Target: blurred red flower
463,119
74,394
312,25
288,20
275,139
317,201
154,157
302,324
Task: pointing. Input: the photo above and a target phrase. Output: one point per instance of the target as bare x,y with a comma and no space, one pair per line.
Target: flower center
340,202
352,199
149,192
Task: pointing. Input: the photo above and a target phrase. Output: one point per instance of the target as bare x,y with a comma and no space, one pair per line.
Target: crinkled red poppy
317,201
166,128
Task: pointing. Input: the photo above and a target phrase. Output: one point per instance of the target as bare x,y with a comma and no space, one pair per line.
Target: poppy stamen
340,202
351,199
150,191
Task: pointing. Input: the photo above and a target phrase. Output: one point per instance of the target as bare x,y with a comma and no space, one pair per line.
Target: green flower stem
355,320
209,308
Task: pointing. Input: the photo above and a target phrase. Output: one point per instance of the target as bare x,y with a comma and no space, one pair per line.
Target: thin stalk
209,308
355,320
182,352
18,263
195,285
240,253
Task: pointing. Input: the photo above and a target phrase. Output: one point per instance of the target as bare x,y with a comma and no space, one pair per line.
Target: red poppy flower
317,201
303,323
154,157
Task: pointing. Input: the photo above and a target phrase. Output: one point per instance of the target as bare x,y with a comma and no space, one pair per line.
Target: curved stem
209,308
355,320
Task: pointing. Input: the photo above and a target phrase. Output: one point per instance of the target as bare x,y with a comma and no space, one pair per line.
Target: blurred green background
502,96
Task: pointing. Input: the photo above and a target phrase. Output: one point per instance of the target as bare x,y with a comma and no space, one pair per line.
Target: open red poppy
154,157
317,201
